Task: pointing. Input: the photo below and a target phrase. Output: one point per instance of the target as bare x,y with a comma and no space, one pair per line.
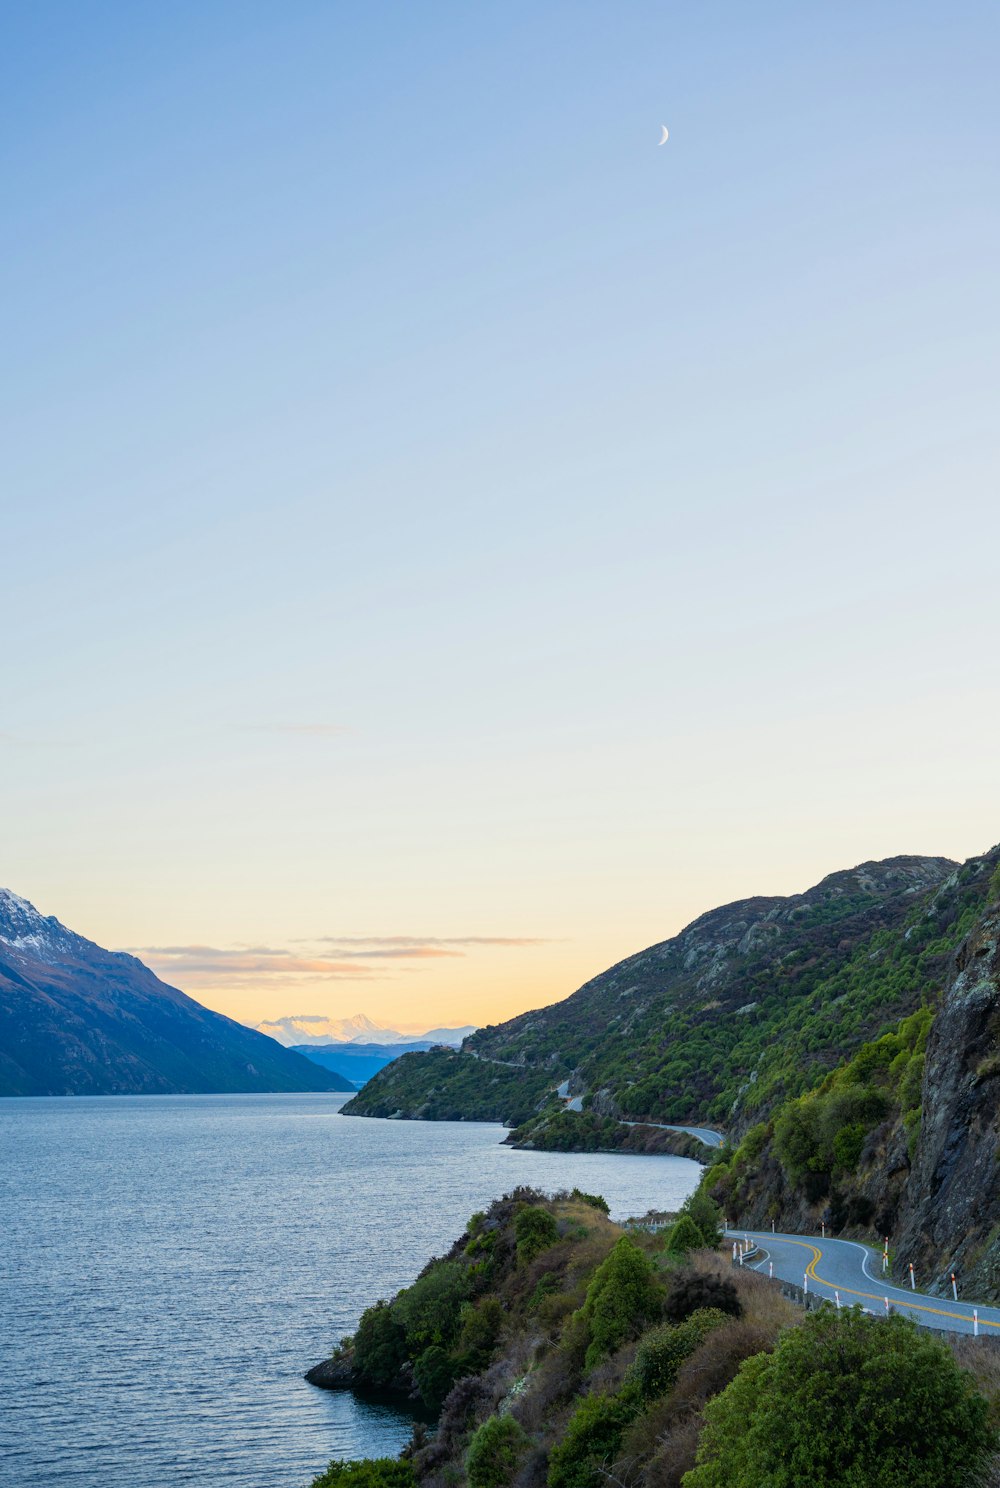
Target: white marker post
805,1284
772,1226
836,1298
975,1322
913,1284
741,1255
823,1227
887,1306
734,1250
954,1288
770,1270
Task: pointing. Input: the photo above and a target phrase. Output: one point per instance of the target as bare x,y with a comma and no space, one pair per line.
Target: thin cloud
419,942
253,963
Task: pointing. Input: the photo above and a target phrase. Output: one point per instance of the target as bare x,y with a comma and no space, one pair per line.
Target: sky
450,541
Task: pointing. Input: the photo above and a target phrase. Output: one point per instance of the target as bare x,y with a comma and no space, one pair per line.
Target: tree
495,1453
621,1298
703,1209
848,1401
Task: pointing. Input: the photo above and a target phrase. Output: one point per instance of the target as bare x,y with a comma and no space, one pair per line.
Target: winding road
702,1133
829,1268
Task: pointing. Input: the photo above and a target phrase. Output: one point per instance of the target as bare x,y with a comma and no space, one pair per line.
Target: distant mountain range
300,1029
358,1063
76,1019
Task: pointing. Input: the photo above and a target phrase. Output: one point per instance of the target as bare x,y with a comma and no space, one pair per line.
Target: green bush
622,1297
847,1145
535,1230
379,1345
495,1453
591,1441
683,1235
481,1325
594,1200
846,1401
662,1352
430,1309
370,1472
435,1371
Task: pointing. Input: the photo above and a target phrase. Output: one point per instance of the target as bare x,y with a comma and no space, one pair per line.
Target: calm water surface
170,1265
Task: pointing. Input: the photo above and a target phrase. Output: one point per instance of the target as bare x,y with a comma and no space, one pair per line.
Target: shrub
379,1345
622,1297
481,1325
371,1472
591,1441
535,1230
435,1371
846,1400
690,1291
594,1200
683,1235
662,1352
429,1310
495,1453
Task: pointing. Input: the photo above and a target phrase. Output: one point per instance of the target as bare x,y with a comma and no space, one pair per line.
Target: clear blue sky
432,510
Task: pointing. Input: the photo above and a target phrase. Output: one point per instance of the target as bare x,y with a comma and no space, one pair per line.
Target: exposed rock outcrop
950,1213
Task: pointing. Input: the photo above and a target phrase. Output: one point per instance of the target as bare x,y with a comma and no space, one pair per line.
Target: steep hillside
752,1002
903,1140
79,1020
558,1351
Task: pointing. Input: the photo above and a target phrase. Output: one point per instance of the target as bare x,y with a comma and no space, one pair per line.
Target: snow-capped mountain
311,1028
76,1019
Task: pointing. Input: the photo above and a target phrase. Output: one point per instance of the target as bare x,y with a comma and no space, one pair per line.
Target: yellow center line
817,1255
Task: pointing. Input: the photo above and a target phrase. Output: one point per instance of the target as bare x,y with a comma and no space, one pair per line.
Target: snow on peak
23,928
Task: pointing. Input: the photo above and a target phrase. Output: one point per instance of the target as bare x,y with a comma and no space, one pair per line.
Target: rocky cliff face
950,1215
923,1168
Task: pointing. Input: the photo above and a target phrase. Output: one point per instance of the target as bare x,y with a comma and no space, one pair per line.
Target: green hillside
751,1004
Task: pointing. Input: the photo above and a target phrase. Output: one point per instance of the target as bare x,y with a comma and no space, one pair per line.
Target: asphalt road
703,1133
830,1267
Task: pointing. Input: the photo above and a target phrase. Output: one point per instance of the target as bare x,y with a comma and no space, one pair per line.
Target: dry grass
674,1457
981,1357
760,1298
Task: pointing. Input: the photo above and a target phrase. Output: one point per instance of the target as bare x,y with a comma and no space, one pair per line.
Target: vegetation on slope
564,1353
850,1152
751,1005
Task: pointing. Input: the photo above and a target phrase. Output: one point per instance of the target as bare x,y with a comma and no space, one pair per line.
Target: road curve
702,1133
844,1267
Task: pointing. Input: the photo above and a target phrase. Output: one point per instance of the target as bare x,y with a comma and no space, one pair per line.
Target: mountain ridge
751,1001
77,1019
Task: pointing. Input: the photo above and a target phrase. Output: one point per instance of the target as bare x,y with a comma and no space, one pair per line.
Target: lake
170,1265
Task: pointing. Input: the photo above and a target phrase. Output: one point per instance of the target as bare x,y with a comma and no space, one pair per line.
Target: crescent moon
666,134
